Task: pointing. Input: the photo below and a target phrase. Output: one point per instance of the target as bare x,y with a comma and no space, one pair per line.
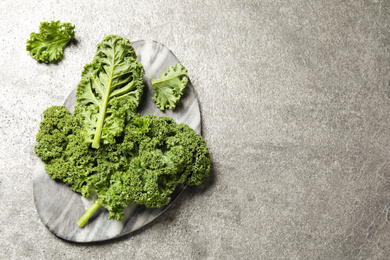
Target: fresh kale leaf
145,167
48,45
156,155
111,86
169,86
60,146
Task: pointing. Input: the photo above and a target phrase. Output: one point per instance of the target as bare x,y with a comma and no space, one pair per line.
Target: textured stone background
295,104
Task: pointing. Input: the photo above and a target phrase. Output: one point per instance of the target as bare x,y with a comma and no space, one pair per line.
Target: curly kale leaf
111,86
169,86
168,154
155,155
151,157
48,45
60,147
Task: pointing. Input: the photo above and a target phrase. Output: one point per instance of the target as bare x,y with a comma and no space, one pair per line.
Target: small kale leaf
48,45
169,86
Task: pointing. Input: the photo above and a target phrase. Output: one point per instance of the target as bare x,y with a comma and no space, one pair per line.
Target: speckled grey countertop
295,105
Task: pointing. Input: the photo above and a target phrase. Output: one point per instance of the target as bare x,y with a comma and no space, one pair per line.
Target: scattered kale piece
48,45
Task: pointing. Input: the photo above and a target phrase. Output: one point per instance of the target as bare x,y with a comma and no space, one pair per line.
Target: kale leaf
48,45
60,146
111,86
144,167
169,86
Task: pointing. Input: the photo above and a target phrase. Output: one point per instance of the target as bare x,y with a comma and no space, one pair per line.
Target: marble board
60,208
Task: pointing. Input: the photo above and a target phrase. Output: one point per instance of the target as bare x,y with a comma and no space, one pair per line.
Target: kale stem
98,133
103,110
88,214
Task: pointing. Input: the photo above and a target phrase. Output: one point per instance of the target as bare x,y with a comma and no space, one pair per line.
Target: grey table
295,105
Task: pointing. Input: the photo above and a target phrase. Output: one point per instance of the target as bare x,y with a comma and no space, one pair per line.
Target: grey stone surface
295,106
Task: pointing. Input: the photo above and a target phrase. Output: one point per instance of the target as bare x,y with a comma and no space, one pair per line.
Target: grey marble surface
295,103
60,208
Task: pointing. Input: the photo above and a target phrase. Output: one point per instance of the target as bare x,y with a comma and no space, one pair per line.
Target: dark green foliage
144,165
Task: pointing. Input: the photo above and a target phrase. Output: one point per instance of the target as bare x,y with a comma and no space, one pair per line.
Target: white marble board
59,207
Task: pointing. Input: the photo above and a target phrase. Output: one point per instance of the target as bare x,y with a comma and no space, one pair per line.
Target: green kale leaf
48,45
60,147
151,157
156,155
169,86
111,86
